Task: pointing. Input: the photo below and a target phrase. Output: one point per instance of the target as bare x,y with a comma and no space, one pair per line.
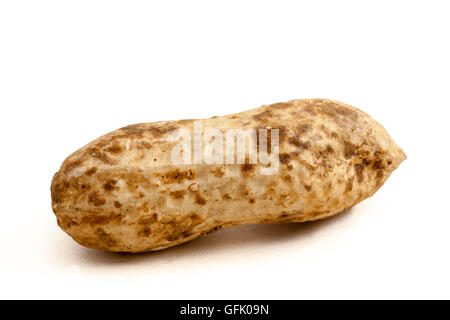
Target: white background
73,70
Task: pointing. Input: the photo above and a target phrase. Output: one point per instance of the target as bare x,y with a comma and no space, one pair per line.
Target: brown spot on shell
185,121
308,165
144,232
379,164
285,158
247,168
195,219
148,219
96,199
65,222
177,176
105,238
144,145
332,110
69,166
143,207
97,153
199,199
243,190
134,130
303,128
282,133
114,149
111,185
173,237
216,228
349,149
349,185
281,105
263,115
182,227
302,145
359,172
179,194
219,172
157,130
310,109
379,176
117,204
91,171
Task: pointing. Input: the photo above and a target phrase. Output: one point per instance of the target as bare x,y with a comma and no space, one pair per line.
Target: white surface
73,70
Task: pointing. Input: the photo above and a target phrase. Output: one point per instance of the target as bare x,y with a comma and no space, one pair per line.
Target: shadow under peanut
233,238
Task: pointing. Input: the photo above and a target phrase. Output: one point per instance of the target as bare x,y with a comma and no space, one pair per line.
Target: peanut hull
122,192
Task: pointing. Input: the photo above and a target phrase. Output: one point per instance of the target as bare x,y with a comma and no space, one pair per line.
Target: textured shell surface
122,192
